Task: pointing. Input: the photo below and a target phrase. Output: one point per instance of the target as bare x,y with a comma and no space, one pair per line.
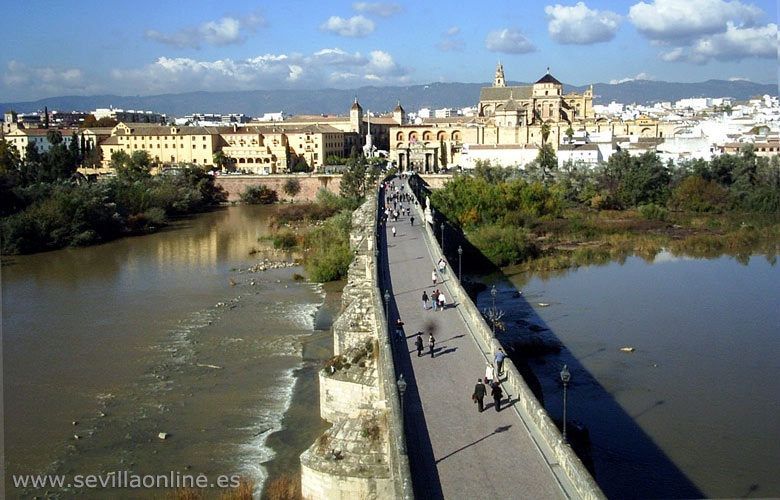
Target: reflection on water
162,333
689,412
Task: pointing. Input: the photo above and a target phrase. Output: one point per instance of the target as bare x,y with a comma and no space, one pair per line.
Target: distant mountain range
379,99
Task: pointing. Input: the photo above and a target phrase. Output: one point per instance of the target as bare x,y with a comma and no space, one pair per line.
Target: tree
89,121
546,162
442,154
10,162
353,181
291,187
569,133
221,160
545,132
46,117
54,136
131,167
74,150
300,165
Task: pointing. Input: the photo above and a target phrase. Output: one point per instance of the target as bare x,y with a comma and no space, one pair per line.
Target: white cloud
337,57
44,80
733,45
581,25
666,20
379,9
226,31
269,71
640,76
356,26
509,41
451,41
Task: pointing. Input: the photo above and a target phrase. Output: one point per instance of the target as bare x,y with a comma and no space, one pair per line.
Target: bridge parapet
363,454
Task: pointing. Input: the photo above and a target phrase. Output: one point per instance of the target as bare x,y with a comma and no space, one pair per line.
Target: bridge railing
399,460
533,412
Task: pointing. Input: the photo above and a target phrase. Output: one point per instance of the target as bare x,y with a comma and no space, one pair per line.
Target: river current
674,368
107,347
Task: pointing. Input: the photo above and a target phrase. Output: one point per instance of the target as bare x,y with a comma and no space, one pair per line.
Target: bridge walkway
455,452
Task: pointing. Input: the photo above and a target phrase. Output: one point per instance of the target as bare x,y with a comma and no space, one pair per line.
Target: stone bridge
430,442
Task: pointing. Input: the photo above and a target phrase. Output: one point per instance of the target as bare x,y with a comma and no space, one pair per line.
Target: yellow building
164,143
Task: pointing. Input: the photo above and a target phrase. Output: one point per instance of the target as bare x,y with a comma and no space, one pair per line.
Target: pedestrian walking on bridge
497,395
431,342
419,344
479,395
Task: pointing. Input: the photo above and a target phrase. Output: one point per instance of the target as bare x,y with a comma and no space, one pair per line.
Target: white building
505,155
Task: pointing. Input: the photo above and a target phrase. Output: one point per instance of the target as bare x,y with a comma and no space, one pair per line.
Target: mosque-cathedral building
509,124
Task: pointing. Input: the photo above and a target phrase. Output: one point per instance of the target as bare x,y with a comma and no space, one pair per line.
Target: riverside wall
310,185
529,408
363,454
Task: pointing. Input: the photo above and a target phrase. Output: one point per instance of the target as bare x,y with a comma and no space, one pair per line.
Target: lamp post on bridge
565,378
387,309
401,383
442,238
493,293
460,258
401,390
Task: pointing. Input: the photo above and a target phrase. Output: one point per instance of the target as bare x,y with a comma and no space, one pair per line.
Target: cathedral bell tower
498,80
356,118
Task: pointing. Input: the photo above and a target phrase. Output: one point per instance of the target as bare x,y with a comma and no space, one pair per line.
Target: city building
508,119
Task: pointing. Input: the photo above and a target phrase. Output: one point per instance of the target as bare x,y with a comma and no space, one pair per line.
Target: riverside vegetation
46,205
321,229
548,218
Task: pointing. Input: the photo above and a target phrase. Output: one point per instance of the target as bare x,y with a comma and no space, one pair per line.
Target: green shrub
652,211
503,245
329,255
285,241
258,195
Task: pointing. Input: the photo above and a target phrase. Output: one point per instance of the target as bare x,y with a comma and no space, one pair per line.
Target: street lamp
442,237
401,383
494,292
460,258
565,377
387,306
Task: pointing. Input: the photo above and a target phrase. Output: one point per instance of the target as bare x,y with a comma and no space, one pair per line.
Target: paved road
454,451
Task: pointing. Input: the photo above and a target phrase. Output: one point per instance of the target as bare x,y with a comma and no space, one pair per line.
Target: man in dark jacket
497,395
479,394
419,344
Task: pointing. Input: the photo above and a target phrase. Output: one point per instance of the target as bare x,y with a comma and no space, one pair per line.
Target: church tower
498,80
356,118
399,115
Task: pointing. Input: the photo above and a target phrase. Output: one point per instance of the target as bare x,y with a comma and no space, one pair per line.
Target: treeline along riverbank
545,217
46,205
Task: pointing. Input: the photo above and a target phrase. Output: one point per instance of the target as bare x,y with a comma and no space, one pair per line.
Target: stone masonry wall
310,185
358,456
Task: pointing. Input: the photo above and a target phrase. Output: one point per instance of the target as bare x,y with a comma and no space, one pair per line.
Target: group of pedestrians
492,380
437,299
490,383
418,343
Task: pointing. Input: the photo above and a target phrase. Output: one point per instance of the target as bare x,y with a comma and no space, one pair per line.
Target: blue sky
53,48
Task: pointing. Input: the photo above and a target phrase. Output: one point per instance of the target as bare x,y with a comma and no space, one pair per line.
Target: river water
694,410
165,333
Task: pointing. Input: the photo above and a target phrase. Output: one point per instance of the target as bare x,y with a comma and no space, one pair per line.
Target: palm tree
569,133
54,137
545,132
221,160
